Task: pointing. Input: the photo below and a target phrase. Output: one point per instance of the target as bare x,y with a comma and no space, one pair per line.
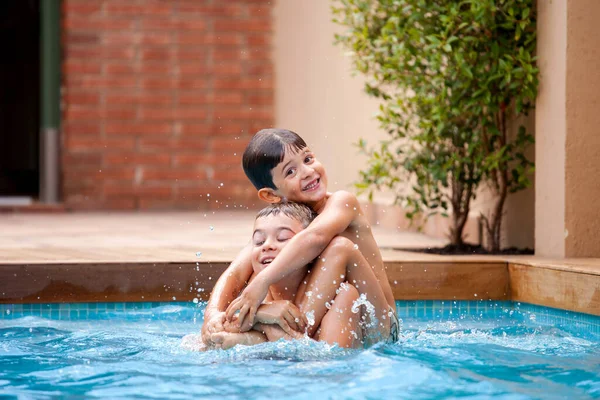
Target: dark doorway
19,97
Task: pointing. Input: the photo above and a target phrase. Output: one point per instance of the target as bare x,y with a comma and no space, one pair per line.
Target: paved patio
150,236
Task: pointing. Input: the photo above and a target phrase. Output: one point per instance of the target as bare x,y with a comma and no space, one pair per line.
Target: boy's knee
348,292
339,244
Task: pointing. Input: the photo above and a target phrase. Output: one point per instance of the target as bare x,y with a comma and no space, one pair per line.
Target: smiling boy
280,317
281,166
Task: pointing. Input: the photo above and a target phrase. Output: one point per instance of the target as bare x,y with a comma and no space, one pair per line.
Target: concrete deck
150,236
151,256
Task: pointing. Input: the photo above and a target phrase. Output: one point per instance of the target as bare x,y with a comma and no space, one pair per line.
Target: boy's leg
275,332
340,262
340,325
226,340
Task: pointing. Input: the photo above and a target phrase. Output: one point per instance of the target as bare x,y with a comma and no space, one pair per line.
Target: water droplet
355,247
198,254
195,301
475,294
174,298
212,228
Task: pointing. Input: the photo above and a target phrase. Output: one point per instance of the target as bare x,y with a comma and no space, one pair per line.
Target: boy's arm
227,287
341,209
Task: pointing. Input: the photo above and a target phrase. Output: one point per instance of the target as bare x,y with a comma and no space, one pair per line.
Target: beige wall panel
315,92
550,122
582,167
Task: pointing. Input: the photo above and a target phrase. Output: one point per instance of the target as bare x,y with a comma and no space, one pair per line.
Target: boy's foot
226,340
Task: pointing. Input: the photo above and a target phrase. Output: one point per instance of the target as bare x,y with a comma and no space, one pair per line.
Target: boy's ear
269,195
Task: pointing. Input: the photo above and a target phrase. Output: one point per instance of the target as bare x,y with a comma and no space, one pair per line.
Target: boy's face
271,234
300,177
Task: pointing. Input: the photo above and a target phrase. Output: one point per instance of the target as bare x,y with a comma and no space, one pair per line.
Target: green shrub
450,75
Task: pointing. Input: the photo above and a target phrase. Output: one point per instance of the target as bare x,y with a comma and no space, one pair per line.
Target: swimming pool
475,349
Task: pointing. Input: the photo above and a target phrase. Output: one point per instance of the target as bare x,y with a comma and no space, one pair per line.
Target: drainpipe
50,100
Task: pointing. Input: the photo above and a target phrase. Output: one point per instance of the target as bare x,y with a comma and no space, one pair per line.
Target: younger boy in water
282,168
281,316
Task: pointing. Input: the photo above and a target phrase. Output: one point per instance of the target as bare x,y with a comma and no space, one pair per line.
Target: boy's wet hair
267,149
299,212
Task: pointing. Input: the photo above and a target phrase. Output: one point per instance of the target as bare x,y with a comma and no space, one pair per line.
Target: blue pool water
446,350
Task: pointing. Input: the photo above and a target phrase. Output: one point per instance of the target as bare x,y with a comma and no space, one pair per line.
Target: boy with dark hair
282,168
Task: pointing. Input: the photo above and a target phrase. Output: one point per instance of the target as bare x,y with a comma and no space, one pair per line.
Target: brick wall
160,99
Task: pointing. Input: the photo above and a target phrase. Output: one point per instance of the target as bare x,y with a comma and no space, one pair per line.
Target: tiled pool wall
434,310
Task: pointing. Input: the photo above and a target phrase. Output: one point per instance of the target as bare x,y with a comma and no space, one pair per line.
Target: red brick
158,191
119,203
228,146
261,69
93,143
258,40
87,98
230,175
151,203
228,98
162,54
206,10
118,68
173,175
99,53
216,129
79,23
187,83
161,69
158,83
198,38
77,38
149,114
261,99
260,54
70,160
196,129
261,11
139,98
243,83
120,113
137,128
78,113
195,98
100,82
179,144
127,8
174,24
161,98
132,158
219,54
81,67
71,128
242,26
254,114
71,7
103,174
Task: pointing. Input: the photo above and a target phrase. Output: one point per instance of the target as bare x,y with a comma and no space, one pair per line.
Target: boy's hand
213,325
283,313
247,304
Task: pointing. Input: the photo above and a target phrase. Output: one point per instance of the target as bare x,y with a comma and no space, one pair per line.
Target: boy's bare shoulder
343,198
